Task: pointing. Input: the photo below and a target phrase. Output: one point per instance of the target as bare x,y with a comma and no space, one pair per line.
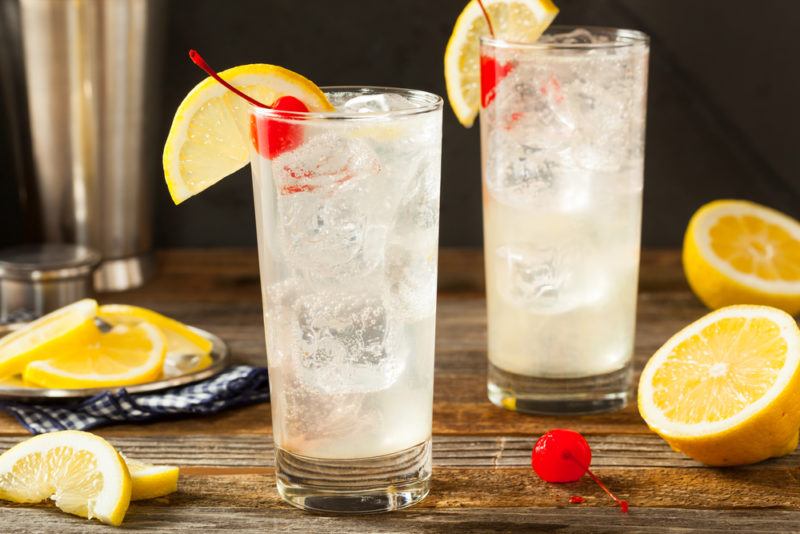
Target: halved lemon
513,20
187,350
739,252
208,139
725,390
81,472
68,326
124,356
151,481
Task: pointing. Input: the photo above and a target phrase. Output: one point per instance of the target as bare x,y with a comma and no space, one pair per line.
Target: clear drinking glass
347,211
562,148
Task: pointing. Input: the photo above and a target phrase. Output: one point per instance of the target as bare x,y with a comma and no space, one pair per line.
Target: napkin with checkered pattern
237,386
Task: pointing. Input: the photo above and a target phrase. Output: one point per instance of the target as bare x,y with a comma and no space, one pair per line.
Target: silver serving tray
219,361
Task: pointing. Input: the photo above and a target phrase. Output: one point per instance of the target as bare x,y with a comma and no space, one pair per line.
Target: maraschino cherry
491,71
564,456
280,136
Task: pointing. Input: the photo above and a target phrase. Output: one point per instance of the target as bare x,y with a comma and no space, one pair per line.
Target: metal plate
15,390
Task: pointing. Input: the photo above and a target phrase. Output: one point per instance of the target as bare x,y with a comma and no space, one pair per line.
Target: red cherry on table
272,137
564,456
561,456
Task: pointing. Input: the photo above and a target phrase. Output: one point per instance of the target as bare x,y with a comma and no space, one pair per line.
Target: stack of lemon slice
67,349
82,474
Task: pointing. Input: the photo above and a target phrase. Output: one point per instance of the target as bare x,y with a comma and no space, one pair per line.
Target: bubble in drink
346,342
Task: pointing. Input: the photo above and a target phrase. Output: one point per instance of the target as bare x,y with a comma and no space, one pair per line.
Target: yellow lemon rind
717,284
283,82
456,81
767,428
151,481
133,314
83,330
50,374
111,505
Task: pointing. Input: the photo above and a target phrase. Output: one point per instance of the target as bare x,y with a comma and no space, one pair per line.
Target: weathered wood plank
471,500
150,517
489,452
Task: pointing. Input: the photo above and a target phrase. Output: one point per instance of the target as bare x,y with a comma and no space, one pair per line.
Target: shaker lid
52,261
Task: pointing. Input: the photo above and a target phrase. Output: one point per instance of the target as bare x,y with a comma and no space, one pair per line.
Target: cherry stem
623,504
486,16
198,60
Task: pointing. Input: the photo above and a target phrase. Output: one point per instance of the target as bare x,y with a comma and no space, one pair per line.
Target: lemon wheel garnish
151,481
739,252
82,473
68,326
124,356
187,351
725,390
209,136
512,20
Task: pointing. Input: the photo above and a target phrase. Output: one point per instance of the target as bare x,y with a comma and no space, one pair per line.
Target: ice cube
532,107
330,202
411,277
418,184
346,342
375,103
547,279
576,36
523,176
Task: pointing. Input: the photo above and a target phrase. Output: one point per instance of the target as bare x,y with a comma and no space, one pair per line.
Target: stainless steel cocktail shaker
90,71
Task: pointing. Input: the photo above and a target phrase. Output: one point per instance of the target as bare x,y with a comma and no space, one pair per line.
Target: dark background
723,112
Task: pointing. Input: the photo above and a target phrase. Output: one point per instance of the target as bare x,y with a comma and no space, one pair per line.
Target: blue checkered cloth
238,386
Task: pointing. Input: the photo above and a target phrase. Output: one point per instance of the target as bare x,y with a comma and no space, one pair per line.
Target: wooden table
482,480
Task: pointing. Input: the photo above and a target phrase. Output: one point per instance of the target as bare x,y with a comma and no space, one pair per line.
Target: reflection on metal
90,78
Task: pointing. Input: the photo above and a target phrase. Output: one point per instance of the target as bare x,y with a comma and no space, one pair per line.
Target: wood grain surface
482,478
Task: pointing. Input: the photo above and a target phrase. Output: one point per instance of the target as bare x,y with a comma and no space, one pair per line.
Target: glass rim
624,38
427,103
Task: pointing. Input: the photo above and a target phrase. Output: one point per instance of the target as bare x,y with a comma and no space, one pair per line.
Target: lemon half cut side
725,390
740,252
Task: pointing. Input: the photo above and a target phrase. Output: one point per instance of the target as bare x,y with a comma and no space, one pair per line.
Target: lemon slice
187,351
209,136
81,472
725,390
739,252
124,356
71,325
151,481
512,20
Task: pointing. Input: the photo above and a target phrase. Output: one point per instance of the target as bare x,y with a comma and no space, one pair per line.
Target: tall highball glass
562,145
347,212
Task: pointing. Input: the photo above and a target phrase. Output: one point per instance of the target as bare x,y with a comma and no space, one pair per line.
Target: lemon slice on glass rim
209,136
512,20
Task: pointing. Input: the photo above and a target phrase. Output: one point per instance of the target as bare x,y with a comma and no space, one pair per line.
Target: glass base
355,486
559,396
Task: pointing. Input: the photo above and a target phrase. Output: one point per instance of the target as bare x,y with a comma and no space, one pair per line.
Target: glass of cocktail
347,213
562,144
